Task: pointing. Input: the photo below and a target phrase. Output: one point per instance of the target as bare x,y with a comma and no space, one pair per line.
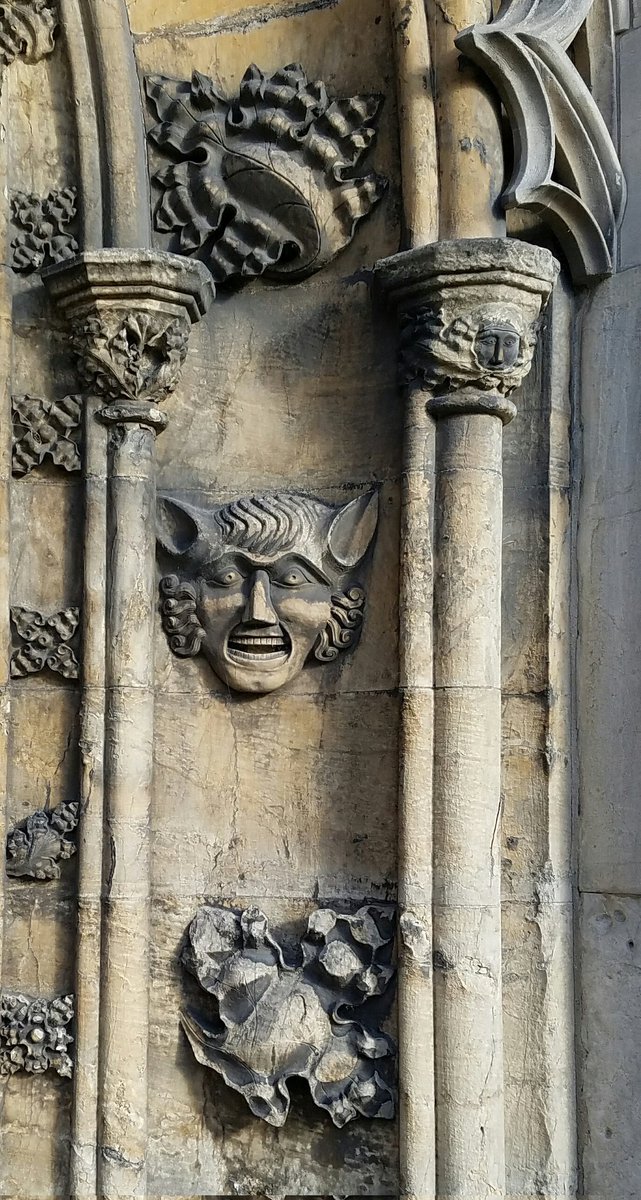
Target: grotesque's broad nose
498,358
259,609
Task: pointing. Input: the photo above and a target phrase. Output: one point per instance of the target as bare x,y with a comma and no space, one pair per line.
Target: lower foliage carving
273,1020
37,845
44,642
34,1034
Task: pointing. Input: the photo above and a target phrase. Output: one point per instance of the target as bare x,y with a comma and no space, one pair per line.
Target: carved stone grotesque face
264,583
488,349
497,346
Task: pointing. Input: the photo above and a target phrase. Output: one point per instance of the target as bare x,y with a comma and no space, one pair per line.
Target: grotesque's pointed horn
353,528
177,526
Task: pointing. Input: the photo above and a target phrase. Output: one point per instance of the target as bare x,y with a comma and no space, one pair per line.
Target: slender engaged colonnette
468,314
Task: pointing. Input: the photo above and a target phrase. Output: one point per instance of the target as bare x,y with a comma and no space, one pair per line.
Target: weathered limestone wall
289,800
42,544
609,687
608,696
285,800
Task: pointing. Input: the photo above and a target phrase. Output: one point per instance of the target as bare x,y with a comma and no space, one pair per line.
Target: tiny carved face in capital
497,346
265,583
262,617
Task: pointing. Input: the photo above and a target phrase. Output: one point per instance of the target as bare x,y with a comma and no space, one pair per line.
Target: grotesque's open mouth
249,645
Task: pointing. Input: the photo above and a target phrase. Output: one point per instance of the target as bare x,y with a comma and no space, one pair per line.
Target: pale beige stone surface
609,1056
289,801
609,548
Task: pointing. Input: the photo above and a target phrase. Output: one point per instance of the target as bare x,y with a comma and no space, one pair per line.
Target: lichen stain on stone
468,144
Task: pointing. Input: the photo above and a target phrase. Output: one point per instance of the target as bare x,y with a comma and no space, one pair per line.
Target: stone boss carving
45,642
275,1020
265,583
45,429
45,220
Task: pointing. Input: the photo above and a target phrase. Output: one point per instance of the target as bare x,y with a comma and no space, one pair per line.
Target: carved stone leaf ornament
566,167
46,239
275,1019
45,642
45,429
37,845
27,29
34,1034
265,583
265,183
137,356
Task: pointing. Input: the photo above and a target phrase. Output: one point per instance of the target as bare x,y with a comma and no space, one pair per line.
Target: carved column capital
130,312
469,313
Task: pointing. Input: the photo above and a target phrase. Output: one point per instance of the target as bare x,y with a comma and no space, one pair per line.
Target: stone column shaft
415,1026
82,1167
124,1010
468,127
468,311
419,171
468,1029
130,313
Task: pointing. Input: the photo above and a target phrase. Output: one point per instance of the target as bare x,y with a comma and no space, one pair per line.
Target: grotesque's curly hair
343,626
179,618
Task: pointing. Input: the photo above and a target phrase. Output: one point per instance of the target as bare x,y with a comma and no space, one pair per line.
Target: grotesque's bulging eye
226,578
291,577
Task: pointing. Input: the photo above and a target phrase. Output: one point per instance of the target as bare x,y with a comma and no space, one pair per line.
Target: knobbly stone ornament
265,583
275,1019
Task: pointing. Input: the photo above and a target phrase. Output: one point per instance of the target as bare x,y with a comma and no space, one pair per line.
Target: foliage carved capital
130,313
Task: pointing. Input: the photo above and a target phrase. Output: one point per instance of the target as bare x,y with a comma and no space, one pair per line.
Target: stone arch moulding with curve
566,168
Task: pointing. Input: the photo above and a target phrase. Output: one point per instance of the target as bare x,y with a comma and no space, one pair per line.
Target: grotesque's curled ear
177,528
353,528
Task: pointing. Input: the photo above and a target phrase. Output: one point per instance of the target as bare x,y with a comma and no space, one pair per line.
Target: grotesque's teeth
255,644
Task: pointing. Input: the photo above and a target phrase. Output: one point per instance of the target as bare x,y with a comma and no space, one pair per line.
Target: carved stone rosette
37,845
45,430
44,642
45,236
34,1034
